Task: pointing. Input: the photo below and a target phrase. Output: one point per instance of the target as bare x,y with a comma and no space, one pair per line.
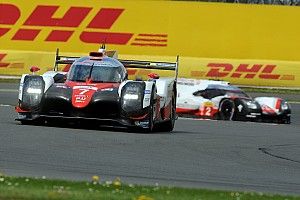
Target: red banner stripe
105,18
250,75
3,64
152,35
287,77
59,36
150,40
108,38
131,71
9,14
43,16
3,31
148,44
26,34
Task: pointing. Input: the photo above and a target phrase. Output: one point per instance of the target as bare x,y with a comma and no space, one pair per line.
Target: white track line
196,119
293,102
199,119
4,105
8,90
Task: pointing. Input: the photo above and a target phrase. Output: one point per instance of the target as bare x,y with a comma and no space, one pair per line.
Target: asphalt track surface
201,154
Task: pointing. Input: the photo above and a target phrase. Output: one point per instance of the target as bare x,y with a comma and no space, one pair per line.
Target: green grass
12,188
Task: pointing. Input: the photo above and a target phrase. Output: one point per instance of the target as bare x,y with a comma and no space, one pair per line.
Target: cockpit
96,72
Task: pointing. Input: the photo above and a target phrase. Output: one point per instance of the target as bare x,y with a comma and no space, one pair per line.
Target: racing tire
226,109
168,126
150,117
285,120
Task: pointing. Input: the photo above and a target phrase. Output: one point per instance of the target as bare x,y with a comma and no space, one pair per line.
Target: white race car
220,100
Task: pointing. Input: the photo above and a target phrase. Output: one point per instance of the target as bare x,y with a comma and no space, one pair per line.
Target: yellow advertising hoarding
237,71
203,34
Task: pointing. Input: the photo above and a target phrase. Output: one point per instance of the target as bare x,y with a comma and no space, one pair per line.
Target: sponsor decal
207,109
242,71
147,92
108,89
85,88
240,107
208,104
61,29
267,110
155,40
22,116
82,95
4,64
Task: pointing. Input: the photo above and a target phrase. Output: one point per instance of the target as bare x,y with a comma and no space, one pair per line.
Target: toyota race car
96,87
220,100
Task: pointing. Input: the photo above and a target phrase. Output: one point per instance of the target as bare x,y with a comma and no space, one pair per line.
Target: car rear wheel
226,109
288,120
285,120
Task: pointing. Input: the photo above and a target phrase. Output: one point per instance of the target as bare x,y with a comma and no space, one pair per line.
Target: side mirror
60,78
34,69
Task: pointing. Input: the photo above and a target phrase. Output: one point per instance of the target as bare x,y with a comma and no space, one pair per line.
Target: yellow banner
263,33
19,62
236,71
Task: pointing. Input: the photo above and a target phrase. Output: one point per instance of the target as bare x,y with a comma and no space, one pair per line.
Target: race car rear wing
64,60
140,64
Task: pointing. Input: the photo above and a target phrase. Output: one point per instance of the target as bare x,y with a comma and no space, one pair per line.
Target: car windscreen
229,90
96,74
236,93
220,90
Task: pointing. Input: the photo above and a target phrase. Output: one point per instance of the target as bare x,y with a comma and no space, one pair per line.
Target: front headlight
285,106
34,91
131,96
251,105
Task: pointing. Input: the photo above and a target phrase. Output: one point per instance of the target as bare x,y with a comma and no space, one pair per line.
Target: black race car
97,88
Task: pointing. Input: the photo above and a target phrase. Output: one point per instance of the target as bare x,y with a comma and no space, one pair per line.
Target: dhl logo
97,30
246,71
4,64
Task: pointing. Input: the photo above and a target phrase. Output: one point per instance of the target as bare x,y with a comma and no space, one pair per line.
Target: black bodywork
237,105
58,101
234,105
105,106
